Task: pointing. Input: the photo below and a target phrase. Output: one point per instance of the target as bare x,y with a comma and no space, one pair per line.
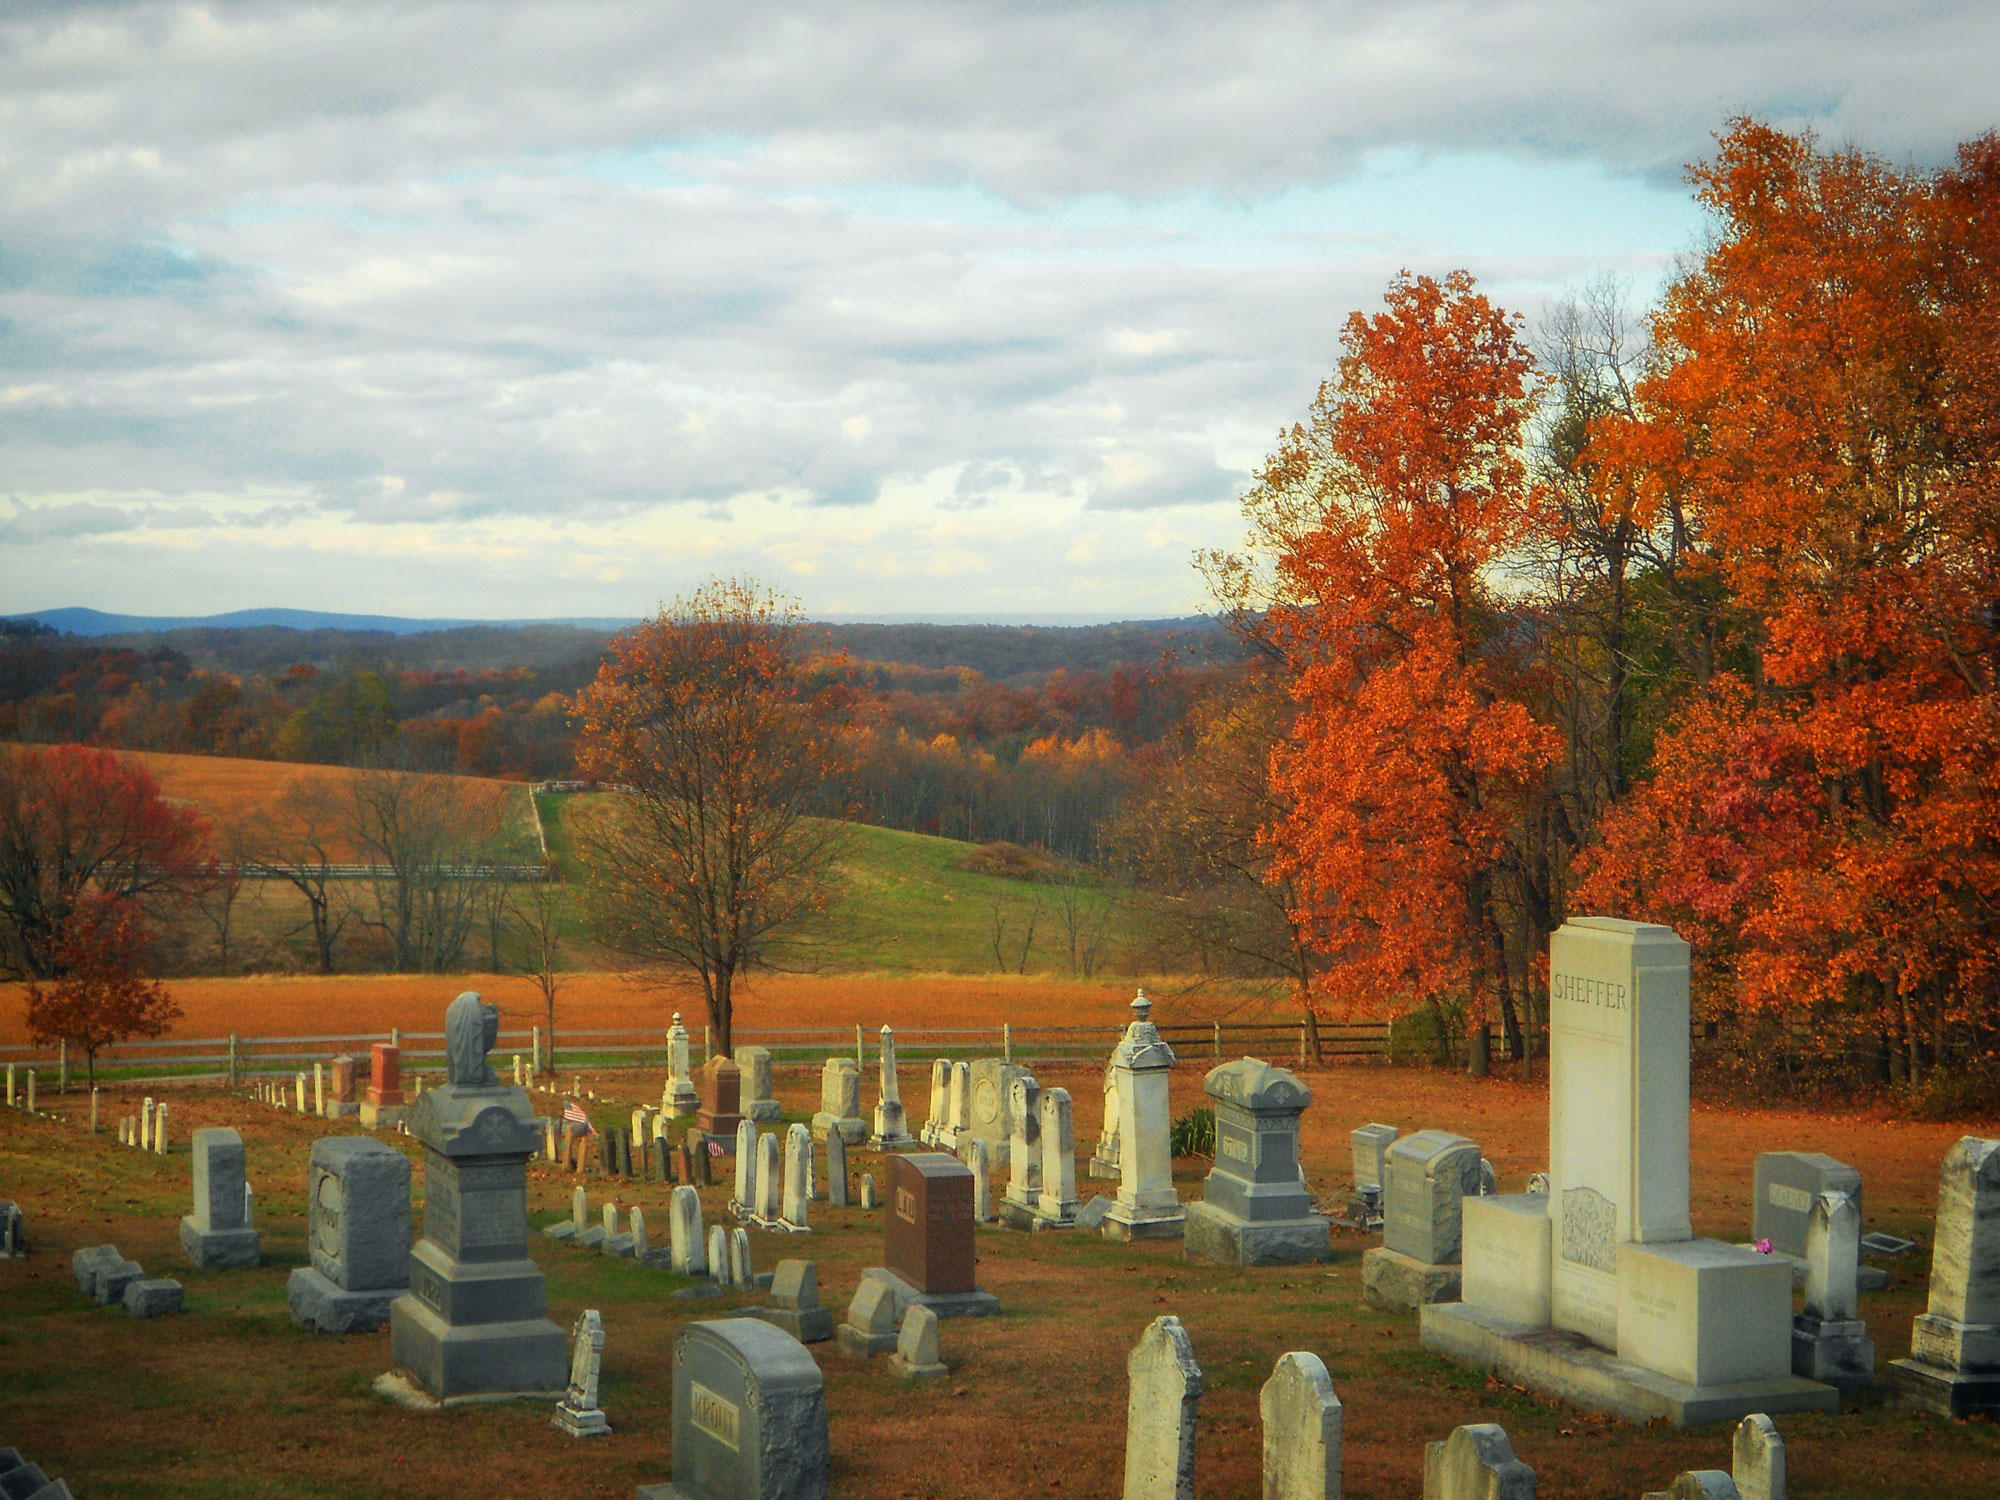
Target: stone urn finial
1141,1006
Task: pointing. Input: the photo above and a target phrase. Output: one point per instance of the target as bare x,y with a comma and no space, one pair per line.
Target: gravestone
868,1199
916,1356
1368,1145
102,1273
618,1246
1662,1324
1255,1210
1165,1387
342,1105
982,1182
1786,1185
840,1102
1757,1459
795,1305
927,1237
720,1083
1104,1160
1954,1363
578,1413
744,1202
1147,1207
13,1231
990,1116
836,1169
1055,1200
1476,1463
1431,1174
870,1326
357,1235
678,1097
642,1246
382,1106
957,1127
940,1102
1301,1417
1024,1154
770,1183
475,1321
215,1234
749,1416
892,1121
661,1153
758,1102
151,1297
1830,1343
797,1214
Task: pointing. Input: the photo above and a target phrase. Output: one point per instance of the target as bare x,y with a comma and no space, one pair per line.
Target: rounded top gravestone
471,1027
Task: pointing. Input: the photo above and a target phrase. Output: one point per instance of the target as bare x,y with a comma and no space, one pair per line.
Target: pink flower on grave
715,1148
1762,1247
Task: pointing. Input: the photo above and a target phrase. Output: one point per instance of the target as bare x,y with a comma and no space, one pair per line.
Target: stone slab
220,1249
1217,1235
809,1325
318,1304
500,1360
973,1304
1570,1368
150,1297
1507,1246
1916,1386
1396,1282
1704,1312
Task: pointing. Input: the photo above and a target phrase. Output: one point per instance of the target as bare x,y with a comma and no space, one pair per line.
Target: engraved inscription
986,1102
1782,1195
1236,1148
1597,994
493,1218
441,1209
906,1205
425,1284
326,1214
1589,1224
714,1414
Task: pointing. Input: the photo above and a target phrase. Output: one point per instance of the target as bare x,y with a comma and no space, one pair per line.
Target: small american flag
574,1115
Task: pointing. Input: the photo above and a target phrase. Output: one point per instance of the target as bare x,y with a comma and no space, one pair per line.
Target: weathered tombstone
1147,1207
1055,1201
475,1322
1786,1184
357,1235
741,1272
588,1236
618,1246
1431,1174
579,1216
689,1255
758,1102
868,1199
1476,1463
1757,1459
215,1234
916,1356
795,1305
159,1126
661,1152
1954,1363
892,1121
300,1099
578,1413
770,1183
678,1098
1165,1388
1301,1417
797,1215
1830,1343
1368,1145
927,1236
836,1169
720,1267
1104,1160
105,1273
13,1231
148,1297
840,1101
382,1106
744,1202
1254,1209
749,1416
957,1110
642,1247
982,1185
1024,1154
319,1088
721,1083
940,1106
870,1326
1707,1326
991,1116
684,1160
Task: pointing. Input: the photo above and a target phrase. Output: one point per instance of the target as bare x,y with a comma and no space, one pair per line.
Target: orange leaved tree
1410,765
102,951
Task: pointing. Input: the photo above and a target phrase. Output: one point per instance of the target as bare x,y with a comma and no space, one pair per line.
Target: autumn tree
78,824
1384,522
99,998
431,842
299,841
717,719
538,911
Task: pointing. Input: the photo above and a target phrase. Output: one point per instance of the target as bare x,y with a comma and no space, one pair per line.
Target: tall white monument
1147,1207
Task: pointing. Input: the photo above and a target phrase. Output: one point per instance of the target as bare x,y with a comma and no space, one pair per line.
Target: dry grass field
232,1400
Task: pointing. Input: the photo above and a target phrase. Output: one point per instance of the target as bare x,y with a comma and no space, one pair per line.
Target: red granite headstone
928,1229
343,1079
385,1075
721,1084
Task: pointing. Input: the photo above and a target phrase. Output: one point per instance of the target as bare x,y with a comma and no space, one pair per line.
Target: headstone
357,1236
795,1305
1431,1174
1055,1201
1255,1210
840,1101
1757,1459
770,1182
642,1247
13,1231
1147,1207
1024,1154
720,1084
86,1264
679,1098
1301,1416
927,1236
991,1116
958,1109
1954,1363
982,1184
744,1202
1165,1387
159,1126
578,1413
1786,1183
475,1322
618,1246
758,1102
940,1102
684,1161
916,1356
836,1169
797,1215
319,1088
301,1091
720,1267
892,1121
741,1272
870,1327
579,1217
1476,1463
110,1274
382,1105
150,1297
749,1416
1369,1145
1830,1343
868,1199
214,1235
689,1255
662,1155
1104,1160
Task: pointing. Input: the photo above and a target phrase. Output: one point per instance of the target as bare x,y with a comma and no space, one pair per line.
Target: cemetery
750,1278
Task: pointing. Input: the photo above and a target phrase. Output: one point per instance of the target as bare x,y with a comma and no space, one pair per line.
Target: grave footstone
679,1098
382,1105
1147,1207
868,1198
928,1237
1431,1174
578,1413
618,1246
1830,1343
892,1121
795,1305
1301,1417
836,1169
357,1236
1165,1389
720,1085
152,1297
112,1276
1254,1209
475,1321
749,1417
1024,1154
214,1235
758,1101
916,1356
1476,1463
159,1127
1954,1363
840,1102
1104,1160
870,1325
1055,1200
797,1214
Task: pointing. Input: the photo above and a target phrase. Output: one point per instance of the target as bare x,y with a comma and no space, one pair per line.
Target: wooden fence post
860,1060
1218,1037
1006,1041
232,1059
62,1064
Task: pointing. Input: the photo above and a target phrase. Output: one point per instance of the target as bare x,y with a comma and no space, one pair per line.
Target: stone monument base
220,1249
325,1308
1833,1352
762,1110
1019,1216
1916,1386
916,1372
488,1360
1123,1223
380,1116
972,1304
809,1325
341,1109
1571,1368
1396,1282
853,1129
580,1424
1103,1169
1216,1234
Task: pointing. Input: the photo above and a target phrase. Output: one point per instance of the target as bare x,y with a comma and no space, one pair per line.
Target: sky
945,310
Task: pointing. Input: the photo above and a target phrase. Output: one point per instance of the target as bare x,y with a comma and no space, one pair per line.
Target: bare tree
432,841
540,913
297,843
